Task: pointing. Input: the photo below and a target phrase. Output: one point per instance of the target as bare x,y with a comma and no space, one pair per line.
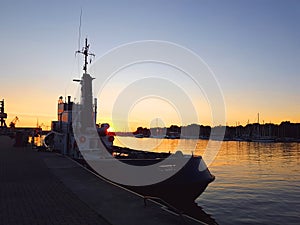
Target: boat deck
47,188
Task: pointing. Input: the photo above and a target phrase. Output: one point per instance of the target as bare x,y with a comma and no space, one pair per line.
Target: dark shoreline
285,132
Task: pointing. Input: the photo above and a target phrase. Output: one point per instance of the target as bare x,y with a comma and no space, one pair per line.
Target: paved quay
47,188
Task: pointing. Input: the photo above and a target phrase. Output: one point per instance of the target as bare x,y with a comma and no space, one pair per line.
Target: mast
258,130
87,113
86,53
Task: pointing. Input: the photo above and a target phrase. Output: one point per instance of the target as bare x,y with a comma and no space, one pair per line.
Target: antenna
85,52
79,30
85,49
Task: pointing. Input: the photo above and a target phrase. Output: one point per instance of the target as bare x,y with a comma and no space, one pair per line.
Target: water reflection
196,212
256,183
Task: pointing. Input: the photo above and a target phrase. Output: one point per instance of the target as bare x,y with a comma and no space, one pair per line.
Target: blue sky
253,48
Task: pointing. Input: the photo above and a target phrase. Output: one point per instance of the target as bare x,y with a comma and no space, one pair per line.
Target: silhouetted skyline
268,132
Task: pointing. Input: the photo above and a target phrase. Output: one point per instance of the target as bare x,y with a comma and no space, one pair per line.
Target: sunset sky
253,48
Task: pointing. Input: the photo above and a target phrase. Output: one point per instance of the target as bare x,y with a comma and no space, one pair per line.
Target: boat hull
184,186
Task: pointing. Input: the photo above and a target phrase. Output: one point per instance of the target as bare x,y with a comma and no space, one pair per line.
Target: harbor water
256,183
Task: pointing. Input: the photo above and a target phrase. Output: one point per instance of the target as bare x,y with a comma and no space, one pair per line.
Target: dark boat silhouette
189,176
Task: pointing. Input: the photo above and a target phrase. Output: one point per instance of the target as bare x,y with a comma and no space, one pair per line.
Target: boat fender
111,138
75,145
82,139
178,154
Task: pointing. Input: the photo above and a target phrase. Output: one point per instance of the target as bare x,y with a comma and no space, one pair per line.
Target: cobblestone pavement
31,194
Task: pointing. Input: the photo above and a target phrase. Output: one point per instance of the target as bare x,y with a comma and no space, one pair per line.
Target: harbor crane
13,123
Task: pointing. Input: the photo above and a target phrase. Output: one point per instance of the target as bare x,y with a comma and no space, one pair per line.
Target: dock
48,188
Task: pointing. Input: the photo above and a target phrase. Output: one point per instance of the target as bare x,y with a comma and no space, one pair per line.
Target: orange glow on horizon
43,110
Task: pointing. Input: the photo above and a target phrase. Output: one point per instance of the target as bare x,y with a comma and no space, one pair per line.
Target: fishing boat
186,176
